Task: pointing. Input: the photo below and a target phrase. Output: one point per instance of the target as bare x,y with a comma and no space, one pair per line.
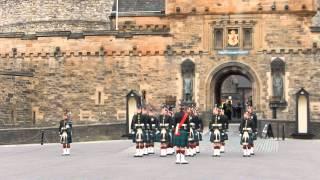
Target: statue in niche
278,86
188,88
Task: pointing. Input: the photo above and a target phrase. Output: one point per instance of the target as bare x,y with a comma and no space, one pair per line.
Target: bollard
42,137
283,133
278,131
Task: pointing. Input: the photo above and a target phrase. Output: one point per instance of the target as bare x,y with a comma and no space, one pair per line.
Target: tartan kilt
170,137
212,137
147,136
250,139
200,136
152,136
182,139
69,138
254,136
224,136
196,136
134,137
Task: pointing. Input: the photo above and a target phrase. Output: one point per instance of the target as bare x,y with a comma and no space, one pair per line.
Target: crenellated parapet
238,6
291,51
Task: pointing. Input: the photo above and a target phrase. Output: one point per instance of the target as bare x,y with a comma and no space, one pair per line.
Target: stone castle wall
43,76
54,15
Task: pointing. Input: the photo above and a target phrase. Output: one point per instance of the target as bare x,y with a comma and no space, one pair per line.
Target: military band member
181,134
225,126
170,149
215,128
163,124
153,124
246,130
191,147
146,120
137,128
65,131
254,118
199,130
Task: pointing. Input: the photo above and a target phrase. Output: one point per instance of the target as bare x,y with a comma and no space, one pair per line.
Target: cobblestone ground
113,160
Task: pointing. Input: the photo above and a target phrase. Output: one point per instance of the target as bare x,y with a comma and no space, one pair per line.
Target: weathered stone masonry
44,72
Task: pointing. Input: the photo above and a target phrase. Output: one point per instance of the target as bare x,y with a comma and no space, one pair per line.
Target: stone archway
220,73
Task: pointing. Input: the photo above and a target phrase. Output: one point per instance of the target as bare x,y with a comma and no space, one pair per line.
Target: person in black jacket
153,127
163,124
246,129
199,130
65,131
215,128
137,129
254,119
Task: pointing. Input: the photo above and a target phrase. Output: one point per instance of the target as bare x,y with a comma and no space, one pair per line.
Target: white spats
183,160
137,154
145,151
216,152
64,151
68,151
170,151
222,149
197,149
151,150
163,152
246,152
178,158
251,151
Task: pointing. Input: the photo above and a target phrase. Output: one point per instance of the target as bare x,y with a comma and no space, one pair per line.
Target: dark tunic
68,125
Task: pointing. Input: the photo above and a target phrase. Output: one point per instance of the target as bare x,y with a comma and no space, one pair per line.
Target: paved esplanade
112,160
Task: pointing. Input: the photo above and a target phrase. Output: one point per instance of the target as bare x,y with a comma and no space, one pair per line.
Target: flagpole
117,14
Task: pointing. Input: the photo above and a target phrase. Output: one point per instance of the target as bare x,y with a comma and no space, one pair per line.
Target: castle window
33,117
99,97
218,38
247,38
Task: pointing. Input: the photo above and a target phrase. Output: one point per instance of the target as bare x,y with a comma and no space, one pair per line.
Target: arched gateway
220,73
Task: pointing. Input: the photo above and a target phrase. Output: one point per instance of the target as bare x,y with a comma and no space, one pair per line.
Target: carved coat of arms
233,38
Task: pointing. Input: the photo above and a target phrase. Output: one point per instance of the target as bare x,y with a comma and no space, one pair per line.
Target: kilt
69,138
196,136
224,136
254,136
147,136
182,139
135,136
170,137
250,139
152,135
212,137
159,137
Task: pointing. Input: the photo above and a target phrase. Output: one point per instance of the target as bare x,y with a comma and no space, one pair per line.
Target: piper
137,128
246,127
215,128
65,131
181,134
